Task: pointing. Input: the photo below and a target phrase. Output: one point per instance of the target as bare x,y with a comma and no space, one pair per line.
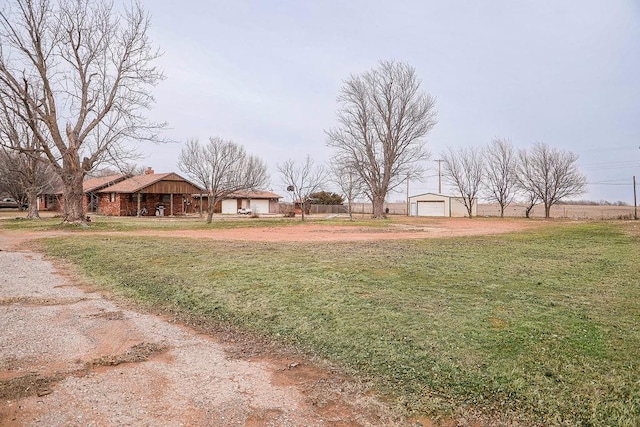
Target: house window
112,197
166,198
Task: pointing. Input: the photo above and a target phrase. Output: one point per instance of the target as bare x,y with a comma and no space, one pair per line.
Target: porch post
171,204
138,208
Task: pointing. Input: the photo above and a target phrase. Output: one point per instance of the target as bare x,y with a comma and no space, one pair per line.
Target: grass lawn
540,327
16,221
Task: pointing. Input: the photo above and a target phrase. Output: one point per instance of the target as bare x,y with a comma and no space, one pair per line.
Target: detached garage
439,205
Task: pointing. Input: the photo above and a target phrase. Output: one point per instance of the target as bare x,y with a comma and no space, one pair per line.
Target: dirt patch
28,385
315,232
137,353
69,356
34,384
109,315
35,301
406,228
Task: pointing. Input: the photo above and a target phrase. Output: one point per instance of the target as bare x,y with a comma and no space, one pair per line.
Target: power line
614,165
608,183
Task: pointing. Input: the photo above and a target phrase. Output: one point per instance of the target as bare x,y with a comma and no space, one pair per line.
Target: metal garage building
433,204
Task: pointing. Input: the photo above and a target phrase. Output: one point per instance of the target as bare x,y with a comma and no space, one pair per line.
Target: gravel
56,336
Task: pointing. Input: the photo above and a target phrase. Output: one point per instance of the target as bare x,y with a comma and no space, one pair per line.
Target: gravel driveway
69,356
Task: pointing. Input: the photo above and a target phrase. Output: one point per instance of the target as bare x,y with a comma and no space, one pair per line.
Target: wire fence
487,210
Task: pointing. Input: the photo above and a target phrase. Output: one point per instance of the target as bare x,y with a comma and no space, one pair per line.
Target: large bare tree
500,172
550,174
221,167
383,117
79,73
302,180
464,170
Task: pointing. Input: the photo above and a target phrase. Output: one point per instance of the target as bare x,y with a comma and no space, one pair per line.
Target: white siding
431,208
414,209
229,206
260,206
458,209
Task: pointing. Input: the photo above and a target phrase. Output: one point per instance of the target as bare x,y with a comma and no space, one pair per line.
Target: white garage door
260,206
435,208
229,206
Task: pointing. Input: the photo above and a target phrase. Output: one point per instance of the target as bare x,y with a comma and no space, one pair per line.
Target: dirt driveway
69,356
409,228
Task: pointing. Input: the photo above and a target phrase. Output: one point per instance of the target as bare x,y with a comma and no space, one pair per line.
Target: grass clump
540,327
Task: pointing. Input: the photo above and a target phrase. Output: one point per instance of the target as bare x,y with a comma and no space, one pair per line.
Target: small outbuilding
440,205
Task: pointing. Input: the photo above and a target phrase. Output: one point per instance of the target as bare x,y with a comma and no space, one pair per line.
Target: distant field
562,211
517,211
538,327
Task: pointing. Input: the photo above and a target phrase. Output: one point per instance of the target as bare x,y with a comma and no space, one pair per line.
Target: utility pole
439,176
635,200
408,195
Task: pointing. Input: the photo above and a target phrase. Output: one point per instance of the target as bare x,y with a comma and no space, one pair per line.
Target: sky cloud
267,74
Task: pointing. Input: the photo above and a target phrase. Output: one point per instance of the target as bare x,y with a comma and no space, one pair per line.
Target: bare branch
221,168
348,181
464,170
383,119
500,172
79,74
302,180
550,175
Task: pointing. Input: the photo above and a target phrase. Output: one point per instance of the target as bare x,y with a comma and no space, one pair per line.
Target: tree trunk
212,200
72,192
547,211
32,201
378,206
72,209
501,211
303,208
527,211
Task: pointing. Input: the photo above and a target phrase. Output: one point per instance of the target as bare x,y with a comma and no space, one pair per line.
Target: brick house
157,194
52,201
166,194
93,185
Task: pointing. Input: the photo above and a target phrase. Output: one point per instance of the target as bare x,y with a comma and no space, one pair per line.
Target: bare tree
348,181
531,200
383,119
464,170
500,171
221,168
123,168
550,174
24,178
302,180
79,74
24,173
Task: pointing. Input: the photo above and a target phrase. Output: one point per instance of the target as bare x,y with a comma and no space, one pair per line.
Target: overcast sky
266,74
